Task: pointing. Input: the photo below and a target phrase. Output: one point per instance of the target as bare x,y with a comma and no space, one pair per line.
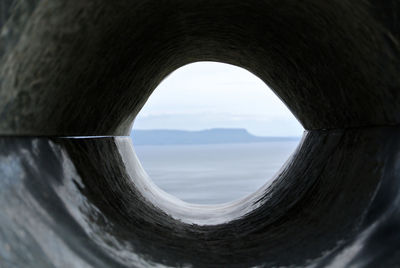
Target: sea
214,173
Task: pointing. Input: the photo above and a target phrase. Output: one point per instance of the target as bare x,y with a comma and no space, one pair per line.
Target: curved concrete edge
78,202
87,67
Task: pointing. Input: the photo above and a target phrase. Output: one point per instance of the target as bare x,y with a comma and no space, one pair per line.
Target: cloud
206,95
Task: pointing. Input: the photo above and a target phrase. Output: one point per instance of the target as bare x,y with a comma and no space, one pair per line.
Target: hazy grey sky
207,95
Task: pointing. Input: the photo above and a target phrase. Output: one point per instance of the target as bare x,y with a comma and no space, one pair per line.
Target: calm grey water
215,173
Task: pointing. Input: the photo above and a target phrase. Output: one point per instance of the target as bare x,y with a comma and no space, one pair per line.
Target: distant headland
208,136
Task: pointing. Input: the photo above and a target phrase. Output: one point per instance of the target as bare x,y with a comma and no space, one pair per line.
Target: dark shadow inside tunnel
86,68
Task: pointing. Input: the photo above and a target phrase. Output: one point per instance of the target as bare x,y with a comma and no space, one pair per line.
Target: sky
206,95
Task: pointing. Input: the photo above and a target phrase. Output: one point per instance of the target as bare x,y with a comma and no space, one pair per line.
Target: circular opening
212,133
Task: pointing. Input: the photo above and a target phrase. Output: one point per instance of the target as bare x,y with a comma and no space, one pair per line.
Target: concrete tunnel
74,74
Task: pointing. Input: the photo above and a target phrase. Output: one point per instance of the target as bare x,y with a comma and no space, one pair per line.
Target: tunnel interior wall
85,68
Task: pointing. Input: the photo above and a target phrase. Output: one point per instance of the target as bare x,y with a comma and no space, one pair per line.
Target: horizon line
207,129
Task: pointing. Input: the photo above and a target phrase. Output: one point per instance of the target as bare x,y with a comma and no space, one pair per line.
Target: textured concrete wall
85,68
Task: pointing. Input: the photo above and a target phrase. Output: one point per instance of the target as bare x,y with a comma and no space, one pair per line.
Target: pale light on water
214,173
